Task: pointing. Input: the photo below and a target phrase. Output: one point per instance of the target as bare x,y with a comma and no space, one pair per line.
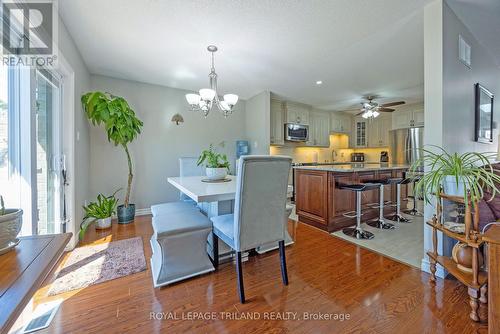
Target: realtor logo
29,30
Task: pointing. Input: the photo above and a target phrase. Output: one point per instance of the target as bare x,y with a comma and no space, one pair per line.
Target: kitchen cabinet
296,113
277,123
378,131
319,129
360,138
340,122
408,118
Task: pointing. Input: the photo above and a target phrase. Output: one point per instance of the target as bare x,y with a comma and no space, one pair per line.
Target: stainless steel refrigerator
406,145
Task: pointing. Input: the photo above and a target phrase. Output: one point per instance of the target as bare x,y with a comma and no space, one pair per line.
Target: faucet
334,155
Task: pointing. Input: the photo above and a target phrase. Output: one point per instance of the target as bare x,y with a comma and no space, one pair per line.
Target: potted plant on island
216,164
122,127
99,212
465,175
10,225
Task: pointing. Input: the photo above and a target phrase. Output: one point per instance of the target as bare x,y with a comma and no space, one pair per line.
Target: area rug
95,264
404,244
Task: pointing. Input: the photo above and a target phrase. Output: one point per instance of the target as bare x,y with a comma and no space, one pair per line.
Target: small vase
216,173
102,224
462,255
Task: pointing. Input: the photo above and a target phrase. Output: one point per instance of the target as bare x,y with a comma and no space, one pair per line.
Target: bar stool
357,232
413,211
397,217
380,221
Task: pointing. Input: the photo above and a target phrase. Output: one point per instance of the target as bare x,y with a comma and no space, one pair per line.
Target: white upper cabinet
319,129
340,122
277,123
378,131
360,138
408,118
297,113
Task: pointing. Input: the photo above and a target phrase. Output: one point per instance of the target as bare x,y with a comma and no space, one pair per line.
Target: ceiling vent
464,51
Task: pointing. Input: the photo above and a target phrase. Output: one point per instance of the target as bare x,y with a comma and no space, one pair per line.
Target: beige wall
156,151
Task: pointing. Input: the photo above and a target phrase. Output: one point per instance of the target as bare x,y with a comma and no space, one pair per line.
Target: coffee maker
384,156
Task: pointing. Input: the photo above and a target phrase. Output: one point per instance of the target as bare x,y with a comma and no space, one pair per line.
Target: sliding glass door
48,152
31,157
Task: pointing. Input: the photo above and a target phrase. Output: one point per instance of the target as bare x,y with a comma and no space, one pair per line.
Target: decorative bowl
10,226
462,255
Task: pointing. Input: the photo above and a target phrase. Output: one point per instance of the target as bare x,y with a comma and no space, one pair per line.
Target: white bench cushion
180,222
171,207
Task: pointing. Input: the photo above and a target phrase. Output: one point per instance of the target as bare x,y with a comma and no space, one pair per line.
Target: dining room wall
156,151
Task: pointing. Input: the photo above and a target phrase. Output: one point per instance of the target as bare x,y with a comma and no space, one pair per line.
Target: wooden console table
492,237
23,269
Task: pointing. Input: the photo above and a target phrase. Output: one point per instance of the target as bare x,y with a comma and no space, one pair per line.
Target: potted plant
99,212
456,174
10,225
122,127
216,164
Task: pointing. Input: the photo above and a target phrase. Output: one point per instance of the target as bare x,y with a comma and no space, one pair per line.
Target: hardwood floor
327,276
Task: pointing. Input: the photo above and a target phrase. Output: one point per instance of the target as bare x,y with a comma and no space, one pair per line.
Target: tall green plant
120,122
472,170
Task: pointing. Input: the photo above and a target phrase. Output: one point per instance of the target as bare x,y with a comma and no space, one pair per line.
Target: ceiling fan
371,109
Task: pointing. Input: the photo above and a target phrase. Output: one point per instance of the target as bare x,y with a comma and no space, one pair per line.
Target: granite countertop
353,167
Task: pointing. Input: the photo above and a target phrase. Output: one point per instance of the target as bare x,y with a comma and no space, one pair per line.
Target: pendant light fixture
207,97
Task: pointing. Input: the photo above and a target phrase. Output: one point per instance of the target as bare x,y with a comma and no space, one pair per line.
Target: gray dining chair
259,211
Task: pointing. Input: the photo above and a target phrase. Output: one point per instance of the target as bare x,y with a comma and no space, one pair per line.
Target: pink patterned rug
91,265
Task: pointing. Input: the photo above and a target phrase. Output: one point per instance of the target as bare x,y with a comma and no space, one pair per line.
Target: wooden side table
23,269
492,237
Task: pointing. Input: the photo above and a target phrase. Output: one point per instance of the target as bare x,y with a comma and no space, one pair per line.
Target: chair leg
241,288
284,273
215,245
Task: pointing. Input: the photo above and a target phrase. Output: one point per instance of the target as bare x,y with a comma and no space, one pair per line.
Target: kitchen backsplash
316,154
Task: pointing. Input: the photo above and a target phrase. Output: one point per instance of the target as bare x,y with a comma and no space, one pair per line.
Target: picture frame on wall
484,114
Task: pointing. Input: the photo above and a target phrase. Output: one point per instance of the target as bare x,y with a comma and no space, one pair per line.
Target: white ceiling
482,17
356,47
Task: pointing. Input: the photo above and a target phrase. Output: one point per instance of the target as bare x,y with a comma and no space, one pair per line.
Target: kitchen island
320,203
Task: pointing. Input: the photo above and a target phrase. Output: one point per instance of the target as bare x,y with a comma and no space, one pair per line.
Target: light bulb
231,99
193,99
207,94
365,115
375,114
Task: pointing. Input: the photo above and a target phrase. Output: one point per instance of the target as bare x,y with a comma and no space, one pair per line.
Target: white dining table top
200,191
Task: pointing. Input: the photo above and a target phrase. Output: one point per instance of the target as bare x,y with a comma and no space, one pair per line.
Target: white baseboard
143,212
426,266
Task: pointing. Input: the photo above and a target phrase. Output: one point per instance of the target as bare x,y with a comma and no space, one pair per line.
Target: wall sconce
177,118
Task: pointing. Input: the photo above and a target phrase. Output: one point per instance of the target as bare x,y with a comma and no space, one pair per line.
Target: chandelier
207,97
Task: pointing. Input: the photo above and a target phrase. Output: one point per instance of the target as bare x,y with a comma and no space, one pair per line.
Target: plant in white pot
99,212
11,221
456,174
216,164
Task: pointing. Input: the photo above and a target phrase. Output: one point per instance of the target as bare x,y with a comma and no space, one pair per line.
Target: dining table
214,198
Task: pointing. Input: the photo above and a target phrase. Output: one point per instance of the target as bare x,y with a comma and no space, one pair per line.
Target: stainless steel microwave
296,132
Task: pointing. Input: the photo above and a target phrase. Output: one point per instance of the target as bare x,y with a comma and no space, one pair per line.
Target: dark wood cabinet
312,200
319,201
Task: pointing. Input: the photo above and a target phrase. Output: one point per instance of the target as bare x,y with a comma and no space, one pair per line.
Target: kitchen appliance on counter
406,145
296,132
384,156
357,157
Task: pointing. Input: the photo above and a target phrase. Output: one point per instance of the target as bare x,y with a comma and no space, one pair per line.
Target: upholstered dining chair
188,167
259,211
